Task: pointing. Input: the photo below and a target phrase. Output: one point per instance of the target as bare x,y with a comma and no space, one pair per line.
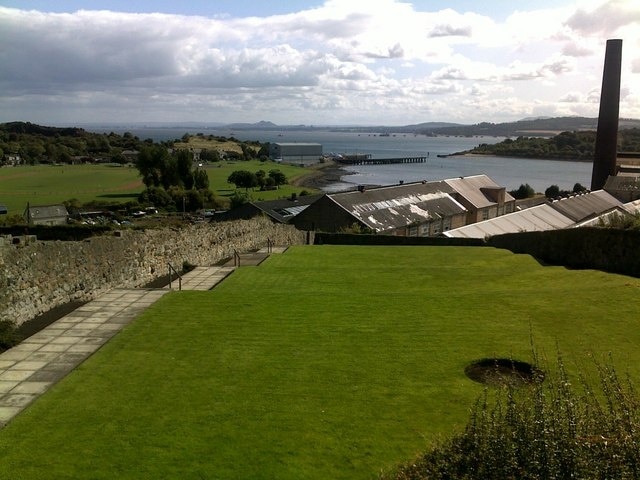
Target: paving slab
29,369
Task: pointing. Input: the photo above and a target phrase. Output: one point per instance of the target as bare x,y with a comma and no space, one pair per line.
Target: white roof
539,218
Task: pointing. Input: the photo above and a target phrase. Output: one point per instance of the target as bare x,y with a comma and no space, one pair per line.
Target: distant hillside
33,129
543,127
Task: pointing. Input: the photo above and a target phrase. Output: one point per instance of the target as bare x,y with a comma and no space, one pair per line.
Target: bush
547,430
8,335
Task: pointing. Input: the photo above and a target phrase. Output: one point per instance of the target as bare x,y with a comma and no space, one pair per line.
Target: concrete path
203,278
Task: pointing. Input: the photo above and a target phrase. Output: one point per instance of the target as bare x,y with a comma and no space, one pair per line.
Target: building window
413,231
507,208
424,230
446,224
485,214
436,228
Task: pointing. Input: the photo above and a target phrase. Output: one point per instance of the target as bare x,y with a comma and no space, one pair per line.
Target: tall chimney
606,151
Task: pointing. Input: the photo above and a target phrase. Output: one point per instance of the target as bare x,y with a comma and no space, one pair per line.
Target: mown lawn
323,362
46,184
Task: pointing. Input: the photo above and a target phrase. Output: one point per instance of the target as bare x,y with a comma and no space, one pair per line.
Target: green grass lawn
46,184
323,362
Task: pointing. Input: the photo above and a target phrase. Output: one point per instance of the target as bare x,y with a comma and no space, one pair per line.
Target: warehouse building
296,153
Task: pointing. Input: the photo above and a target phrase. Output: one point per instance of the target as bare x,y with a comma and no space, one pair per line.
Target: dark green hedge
359,239
610,250
56,232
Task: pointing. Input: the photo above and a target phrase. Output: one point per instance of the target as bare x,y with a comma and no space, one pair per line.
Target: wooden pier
367,160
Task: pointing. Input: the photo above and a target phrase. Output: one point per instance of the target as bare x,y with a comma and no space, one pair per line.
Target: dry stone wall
42,275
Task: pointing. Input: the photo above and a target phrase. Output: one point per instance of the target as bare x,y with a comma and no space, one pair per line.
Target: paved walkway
28,370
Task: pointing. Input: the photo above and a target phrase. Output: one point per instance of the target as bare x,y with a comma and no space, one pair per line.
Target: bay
508,172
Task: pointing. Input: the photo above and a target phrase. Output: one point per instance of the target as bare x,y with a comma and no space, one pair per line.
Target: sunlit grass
323,362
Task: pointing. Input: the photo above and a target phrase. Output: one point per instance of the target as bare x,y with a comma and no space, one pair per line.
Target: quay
367,160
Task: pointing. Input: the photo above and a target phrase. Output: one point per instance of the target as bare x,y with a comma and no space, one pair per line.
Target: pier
367,160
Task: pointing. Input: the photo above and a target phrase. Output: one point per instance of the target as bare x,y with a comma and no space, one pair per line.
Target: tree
184,161
278,177
243,179
261,175
524,191
238,199
578,188
200,179
209,155
552,192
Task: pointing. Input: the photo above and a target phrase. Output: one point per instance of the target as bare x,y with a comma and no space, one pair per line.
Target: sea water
508,172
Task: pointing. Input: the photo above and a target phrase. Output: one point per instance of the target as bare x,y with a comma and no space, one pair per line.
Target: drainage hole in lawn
503,371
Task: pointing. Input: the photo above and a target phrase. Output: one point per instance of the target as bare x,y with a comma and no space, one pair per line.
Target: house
279,211
482,197
46,214
412,209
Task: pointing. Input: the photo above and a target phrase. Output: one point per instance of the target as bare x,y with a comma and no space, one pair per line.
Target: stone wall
42,275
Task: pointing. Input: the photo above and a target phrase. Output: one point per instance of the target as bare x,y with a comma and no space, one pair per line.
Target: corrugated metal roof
632,207
605,218
470,188
388,208
587,205
283,209
539,218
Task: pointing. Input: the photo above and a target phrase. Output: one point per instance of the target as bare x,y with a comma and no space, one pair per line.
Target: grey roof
587,205
632,207
542,217
604,218
297,144
285,209
392,207
470,188
46,211
623,182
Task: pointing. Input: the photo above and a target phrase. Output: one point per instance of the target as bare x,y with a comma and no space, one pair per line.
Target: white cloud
360,61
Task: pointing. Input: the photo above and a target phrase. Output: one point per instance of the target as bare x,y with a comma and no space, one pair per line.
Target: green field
46,184
341,363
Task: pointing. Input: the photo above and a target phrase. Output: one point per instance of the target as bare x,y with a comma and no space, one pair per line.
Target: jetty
367,160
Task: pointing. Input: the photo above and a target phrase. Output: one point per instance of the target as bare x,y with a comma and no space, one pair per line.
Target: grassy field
45,184
341,362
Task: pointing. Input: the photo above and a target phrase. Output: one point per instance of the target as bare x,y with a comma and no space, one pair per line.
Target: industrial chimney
606,151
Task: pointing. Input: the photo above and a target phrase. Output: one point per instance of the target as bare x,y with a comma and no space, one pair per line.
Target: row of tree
526,191
245,179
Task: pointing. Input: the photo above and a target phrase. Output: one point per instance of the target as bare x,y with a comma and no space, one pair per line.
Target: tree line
576,146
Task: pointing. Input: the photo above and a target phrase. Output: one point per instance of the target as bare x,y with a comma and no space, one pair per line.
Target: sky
311,62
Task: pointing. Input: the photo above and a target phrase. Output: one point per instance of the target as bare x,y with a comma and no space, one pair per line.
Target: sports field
47,184
323,362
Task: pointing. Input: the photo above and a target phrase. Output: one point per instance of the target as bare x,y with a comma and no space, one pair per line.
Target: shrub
548,430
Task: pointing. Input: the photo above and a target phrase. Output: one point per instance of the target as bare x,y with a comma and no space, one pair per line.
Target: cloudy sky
311,62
